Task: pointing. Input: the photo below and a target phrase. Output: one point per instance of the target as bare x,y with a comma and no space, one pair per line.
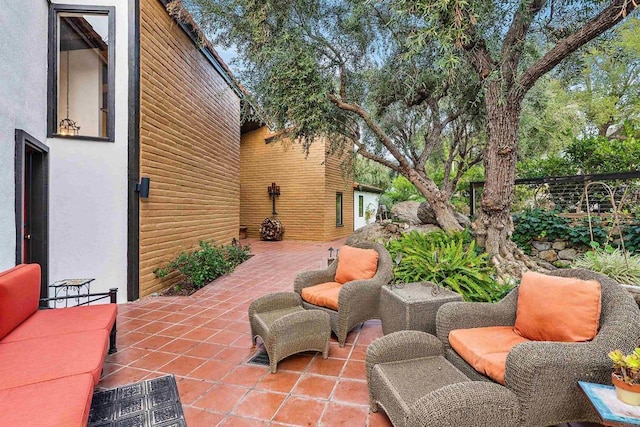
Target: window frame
52,70
360,206
340,210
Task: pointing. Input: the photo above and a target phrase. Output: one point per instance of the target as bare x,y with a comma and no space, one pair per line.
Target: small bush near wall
207,263
450,260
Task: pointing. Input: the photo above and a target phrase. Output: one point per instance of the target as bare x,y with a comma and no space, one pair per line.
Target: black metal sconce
142,187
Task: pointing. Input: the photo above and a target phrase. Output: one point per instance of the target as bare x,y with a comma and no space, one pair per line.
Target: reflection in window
338,209
360,206
83,74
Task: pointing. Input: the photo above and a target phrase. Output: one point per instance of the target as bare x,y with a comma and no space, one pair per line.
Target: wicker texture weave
358,300
415,386
286,328
544,375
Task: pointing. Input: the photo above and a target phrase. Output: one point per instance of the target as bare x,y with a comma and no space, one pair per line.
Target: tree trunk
439,201
494,225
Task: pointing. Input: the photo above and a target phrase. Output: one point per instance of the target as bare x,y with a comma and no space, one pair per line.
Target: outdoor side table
611,411
413,306
75,285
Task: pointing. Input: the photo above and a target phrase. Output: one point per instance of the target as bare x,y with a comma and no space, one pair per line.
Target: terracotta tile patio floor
204,340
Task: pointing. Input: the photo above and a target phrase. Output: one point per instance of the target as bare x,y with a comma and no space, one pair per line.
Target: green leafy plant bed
202,266
611,262
450,260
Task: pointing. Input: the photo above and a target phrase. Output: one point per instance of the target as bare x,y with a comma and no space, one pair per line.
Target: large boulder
406,212
374,232
386,230
426,215
424,228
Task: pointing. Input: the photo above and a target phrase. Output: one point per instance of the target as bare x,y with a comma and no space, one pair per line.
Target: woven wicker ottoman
286,328
409,378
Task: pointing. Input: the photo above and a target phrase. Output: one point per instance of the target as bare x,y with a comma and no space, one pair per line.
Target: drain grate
261,358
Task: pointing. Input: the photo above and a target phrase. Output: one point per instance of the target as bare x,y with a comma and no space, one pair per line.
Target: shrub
207,263
535,224
580,235
450,260
611,262
539,223
631,235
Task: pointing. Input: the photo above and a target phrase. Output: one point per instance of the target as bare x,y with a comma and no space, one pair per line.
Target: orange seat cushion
486,349
47,358
356,264
323,295
44,323
554,308
19,295
60,402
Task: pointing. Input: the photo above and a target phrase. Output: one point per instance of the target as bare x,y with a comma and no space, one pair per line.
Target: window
360,206
81,72
339,210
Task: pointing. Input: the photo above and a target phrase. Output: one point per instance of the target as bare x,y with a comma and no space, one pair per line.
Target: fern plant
449,260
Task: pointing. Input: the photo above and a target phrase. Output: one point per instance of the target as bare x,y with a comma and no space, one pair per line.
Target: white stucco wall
370,201
88,190
23,100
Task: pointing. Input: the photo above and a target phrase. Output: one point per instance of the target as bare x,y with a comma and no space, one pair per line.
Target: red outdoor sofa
50,359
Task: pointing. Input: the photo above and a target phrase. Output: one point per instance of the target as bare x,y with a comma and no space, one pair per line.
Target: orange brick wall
305,184
189,147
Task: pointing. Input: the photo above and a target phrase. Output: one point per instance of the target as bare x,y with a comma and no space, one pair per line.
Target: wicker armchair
544,375
358,300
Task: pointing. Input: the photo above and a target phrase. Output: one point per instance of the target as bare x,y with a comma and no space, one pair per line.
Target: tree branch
614,13
514,40
375,128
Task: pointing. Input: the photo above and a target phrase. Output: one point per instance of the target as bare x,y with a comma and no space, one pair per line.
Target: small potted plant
626,376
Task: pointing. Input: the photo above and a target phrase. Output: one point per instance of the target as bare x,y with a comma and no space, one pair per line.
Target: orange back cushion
323,295
19,295
554,308
356,264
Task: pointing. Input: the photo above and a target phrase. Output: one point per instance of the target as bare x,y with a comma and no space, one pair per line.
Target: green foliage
371,173
631,235
450,260
627,367
553,165
536,224
581,234
611,262
401,190
207,263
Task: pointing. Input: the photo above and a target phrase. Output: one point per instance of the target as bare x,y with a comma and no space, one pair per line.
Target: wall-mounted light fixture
142,187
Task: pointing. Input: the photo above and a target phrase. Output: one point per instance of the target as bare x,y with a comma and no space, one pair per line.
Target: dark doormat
150,403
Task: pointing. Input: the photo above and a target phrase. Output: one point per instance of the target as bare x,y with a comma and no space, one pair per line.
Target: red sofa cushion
486,349
19,295
47,358
59,402
46,323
